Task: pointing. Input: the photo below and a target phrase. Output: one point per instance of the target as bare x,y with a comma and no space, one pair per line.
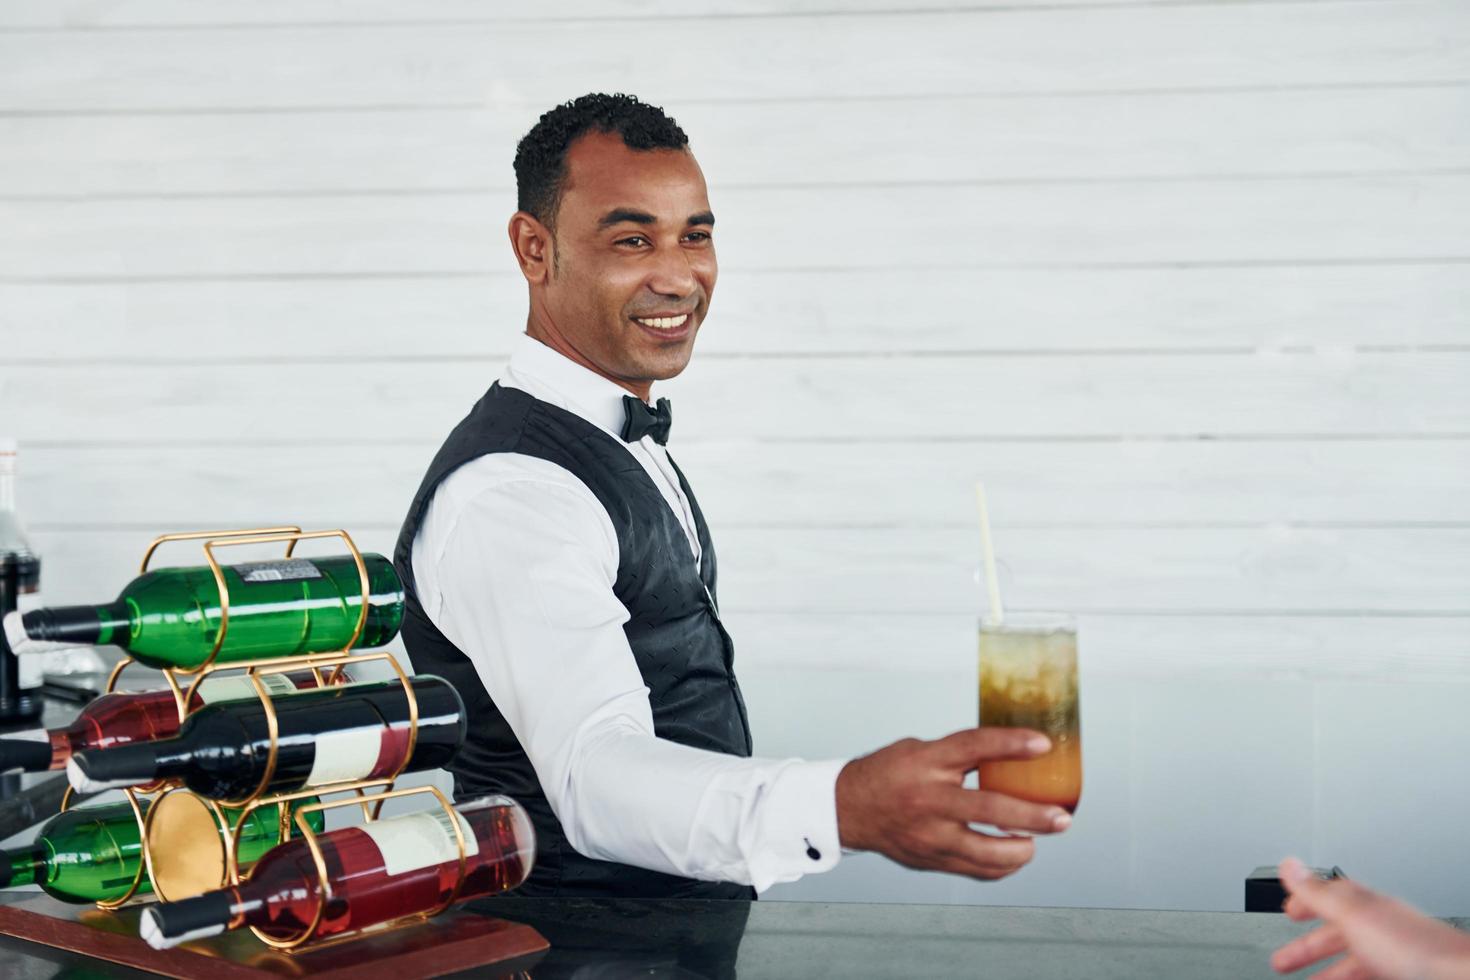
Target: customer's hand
907,801
1382,936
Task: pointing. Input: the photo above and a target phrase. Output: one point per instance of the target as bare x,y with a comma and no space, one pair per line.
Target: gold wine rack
198,827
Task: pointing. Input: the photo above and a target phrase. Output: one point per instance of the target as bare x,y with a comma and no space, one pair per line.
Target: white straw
992,583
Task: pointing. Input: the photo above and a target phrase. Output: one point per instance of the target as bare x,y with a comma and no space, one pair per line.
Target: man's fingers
1005,812
985,872
984,851
1347,968
1297,909
967,748
959,850
1330,900
1305,950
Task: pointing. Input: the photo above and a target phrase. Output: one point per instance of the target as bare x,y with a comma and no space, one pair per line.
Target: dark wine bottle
379,871
332,734
170,617
121,719
93,853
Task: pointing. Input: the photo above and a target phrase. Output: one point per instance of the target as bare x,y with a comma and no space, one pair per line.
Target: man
560,574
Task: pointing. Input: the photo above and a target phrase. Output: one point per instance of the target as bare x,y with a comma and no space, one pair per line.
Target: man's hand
907,801
1382,937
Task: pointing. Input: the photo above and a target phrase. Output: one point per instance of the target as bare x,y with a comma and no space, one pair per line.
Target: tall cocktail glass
1028,679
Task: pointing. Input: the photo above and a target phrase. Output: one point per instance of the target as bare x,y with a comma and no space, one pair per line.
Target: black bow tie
644,421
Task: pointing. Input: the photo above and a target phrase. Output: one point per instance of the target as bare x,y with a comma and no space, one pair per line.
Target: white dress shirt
515,563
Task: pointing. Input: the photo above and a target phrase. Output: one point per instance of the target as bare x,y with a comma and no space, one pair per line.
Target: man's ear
534,247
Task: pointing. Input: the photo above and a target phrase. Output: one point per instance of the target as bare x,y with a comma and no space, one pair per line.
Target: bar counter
618,938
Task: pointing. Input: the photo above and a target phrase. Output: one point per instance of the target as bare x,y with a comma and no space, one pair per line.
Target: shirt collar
568,385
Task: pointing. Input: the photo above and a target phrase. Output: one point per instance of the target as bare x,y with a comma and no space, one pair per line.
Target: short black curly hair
541,154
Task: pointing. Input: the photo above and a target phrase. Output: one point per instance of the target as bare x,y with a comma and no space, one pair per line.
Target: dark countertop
656,939
799,939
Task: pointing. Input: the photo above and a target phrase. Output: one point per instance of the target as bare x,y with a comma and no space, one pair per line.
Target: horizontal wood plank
1274,569
804,400
968,140
82,15
1250,222
895,484
1170,571
1193,647
840,310
531,64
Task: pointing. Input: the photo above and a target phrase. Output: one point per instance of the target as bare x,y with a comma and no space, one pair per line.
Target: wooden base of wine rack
449,943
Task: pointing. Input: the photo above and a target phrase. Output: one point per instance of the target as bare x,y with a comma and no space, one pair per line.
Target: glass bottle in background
170,617
20,589
379,871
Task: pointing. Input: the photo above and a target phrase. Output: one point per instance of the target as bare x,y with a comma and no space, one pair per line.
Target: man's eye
632,240
698,236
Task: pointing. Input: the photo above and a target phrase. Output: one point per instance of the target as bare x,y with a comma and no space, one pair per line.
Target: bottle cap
23,752
167,924
18,638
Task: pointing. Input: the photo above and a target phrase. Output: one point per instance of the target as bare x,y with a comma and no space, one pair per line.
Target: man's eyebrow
618,215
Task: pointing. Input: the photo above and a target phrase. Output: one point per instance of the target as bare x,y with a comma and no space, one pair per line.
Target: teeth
663,322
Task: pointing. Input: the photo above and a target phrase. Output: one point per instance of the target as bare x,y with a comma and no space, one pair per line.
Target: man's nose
674,274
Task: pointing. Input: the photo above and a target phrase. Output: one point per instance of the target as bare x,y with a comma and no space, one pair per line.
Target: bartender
560,574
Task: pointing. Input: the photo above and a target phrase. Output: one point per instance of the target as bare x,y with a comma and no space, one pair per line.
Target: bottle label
213,689
285,570
348,754
419,840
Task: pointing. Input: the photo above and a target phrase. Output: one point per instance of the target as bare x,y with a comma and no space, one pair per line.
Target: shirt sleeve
525,581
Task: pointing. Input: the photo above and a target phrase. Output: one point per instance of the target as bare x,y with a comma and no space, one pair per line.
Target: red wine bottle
120,719
332,734
377,872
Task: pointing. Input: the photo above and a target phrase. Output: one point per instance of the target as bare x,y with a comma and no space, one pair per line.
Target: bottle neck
82,625
166,925
23,866
248,904
63,742
172,757
92,771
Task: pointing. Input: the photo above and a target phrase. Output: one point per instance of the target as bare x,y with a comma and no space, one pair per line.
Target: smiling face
625,281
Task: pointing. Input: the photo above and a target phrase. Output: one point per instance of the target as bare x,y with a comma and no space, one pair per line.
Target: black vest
682,650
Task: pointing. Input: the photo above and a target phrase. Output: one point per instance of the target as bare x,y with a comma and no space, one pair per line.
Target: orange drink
1028,679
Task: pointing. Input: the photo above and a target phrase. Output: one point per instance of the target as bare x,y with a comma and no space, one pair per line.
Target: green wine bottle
170,617
93,853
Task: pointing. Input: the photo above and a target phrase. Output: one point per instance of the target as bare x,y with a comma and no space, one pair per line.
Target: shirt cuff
799,824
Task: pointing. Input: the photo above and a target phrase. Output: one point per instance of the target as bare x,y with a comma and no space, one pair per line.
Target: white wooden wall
1187,283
